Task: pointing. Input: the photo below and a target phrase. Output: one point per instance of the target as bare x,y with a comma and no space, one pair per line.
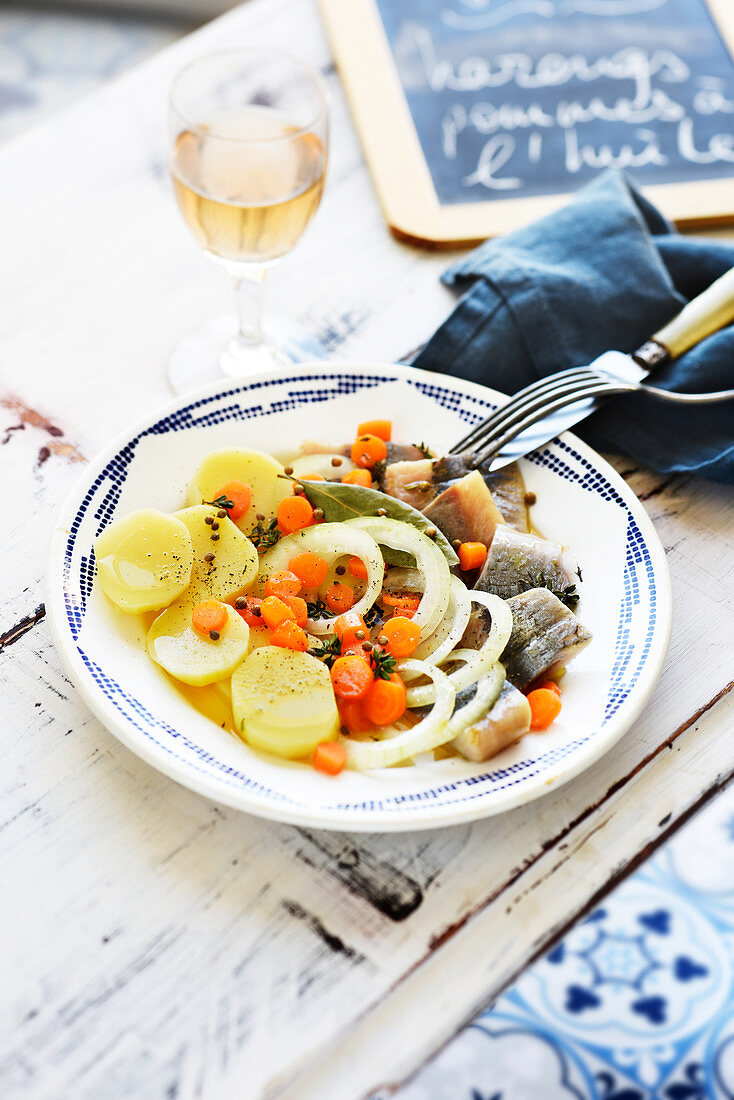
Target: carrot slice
545,706
347,626
339,597
310,568
385,701
551,685
472,555
250,610
290,636
381,428
357,568
351,677
358,477
402,635
238,496
208,616
299,608
330,757
275,611
406,604
294,513
283,583
352,715
367,450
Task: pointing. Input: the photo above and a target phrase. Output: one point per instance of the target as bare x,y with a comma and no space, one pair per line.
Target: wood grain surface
154,944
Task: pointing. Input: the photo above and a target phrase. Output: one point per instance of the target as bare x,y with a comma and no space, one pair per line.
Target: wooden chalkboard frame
398,167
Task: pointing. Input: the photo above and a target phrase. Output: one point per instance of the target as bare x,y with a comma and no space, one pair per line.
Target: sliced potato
283,702
187,655
144,560
321,466
256,469
235,562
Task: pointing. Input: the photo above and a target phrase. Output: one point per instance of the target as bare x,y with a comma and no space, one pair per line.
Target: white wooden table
153,944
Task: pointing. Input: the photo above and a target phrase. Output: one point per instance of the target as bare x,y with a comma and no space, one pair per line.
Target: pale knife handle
707,313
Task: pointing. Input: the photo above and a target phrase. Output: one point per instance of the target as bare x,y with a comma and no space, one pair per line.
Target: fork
549,395
581,390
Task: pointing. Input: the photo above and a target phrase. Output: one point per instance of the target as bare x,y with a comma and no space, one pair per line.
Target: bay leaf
339,502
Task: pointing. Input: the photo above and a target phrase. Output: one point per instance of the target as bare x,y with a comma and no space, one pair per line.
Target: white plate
582,502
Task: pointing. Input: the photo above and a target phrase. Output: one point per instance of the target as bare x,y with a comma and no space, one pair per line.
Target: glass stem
249,290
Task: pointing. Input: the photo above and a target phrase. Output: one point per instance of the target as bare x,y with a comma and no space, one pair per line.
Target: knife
703,315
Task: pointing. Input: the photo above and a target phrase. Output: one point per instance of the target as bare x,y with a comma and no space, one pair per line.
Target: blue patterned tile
635,1003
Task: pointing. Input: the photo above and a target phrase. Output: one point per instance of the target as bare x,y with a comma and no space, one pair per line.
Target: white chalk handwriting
642,93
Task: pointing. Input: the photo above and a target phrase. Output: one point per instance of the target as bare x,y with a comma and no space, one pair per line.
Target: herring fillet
503,724
545,635
466,511
516,560
421,481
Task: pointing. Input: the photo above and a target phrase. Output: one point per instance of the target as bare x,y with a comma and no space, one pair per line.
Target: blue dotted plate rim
636,667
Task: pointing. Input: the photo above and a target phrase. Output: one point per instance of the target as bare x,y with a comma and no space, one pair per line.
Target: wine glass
248,138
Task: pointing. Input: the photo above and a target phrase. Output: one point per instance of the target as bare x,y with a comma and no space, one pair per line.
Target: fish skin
466,511
545,635
516,559
503,724
506,485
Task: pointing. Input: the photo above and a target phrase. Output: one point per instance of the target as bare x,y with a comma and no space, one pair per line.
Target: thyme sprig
327,650
263,535
383,663
568,595
424,449
222,501
317,609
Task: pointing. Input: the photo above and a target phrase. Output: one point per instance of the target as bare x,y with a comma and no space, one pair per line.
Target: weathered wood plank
154,941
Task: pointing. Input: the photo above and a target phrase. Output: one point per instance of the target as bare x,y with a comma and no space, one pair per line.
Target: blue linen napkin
604,272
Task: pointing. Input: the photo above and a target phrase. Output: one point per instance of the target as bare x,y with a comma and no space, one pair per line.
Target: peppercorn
456,543
367,647
360,635
530,498
383,640
340,570
209,520
240,603
431,532
208,557
318,513
336,462
259,517
288,470
381,512
222,513
214,635
215,538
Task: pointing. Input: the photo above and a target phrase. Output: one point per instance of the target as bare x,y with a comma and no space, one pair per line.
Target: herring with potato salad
357,607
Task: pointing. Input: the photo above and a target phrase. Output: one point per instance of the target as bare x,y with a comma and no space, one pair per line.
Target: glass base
209,354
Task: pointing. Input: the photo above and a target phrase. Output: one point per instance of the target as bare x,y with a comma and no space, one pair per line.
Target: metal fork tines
536,398
542,399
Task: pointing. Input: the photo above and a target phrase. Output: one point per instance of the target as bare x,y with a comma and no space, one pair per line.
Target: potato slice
144,560
187,655
283,702
256,469
235,562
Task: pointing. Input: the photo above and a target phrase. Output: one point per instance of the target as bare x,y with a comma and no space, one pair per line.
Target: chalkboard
476,115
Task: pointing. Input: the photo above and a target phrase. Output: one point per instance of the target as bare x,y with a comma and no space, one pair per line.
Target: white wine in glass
248,159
